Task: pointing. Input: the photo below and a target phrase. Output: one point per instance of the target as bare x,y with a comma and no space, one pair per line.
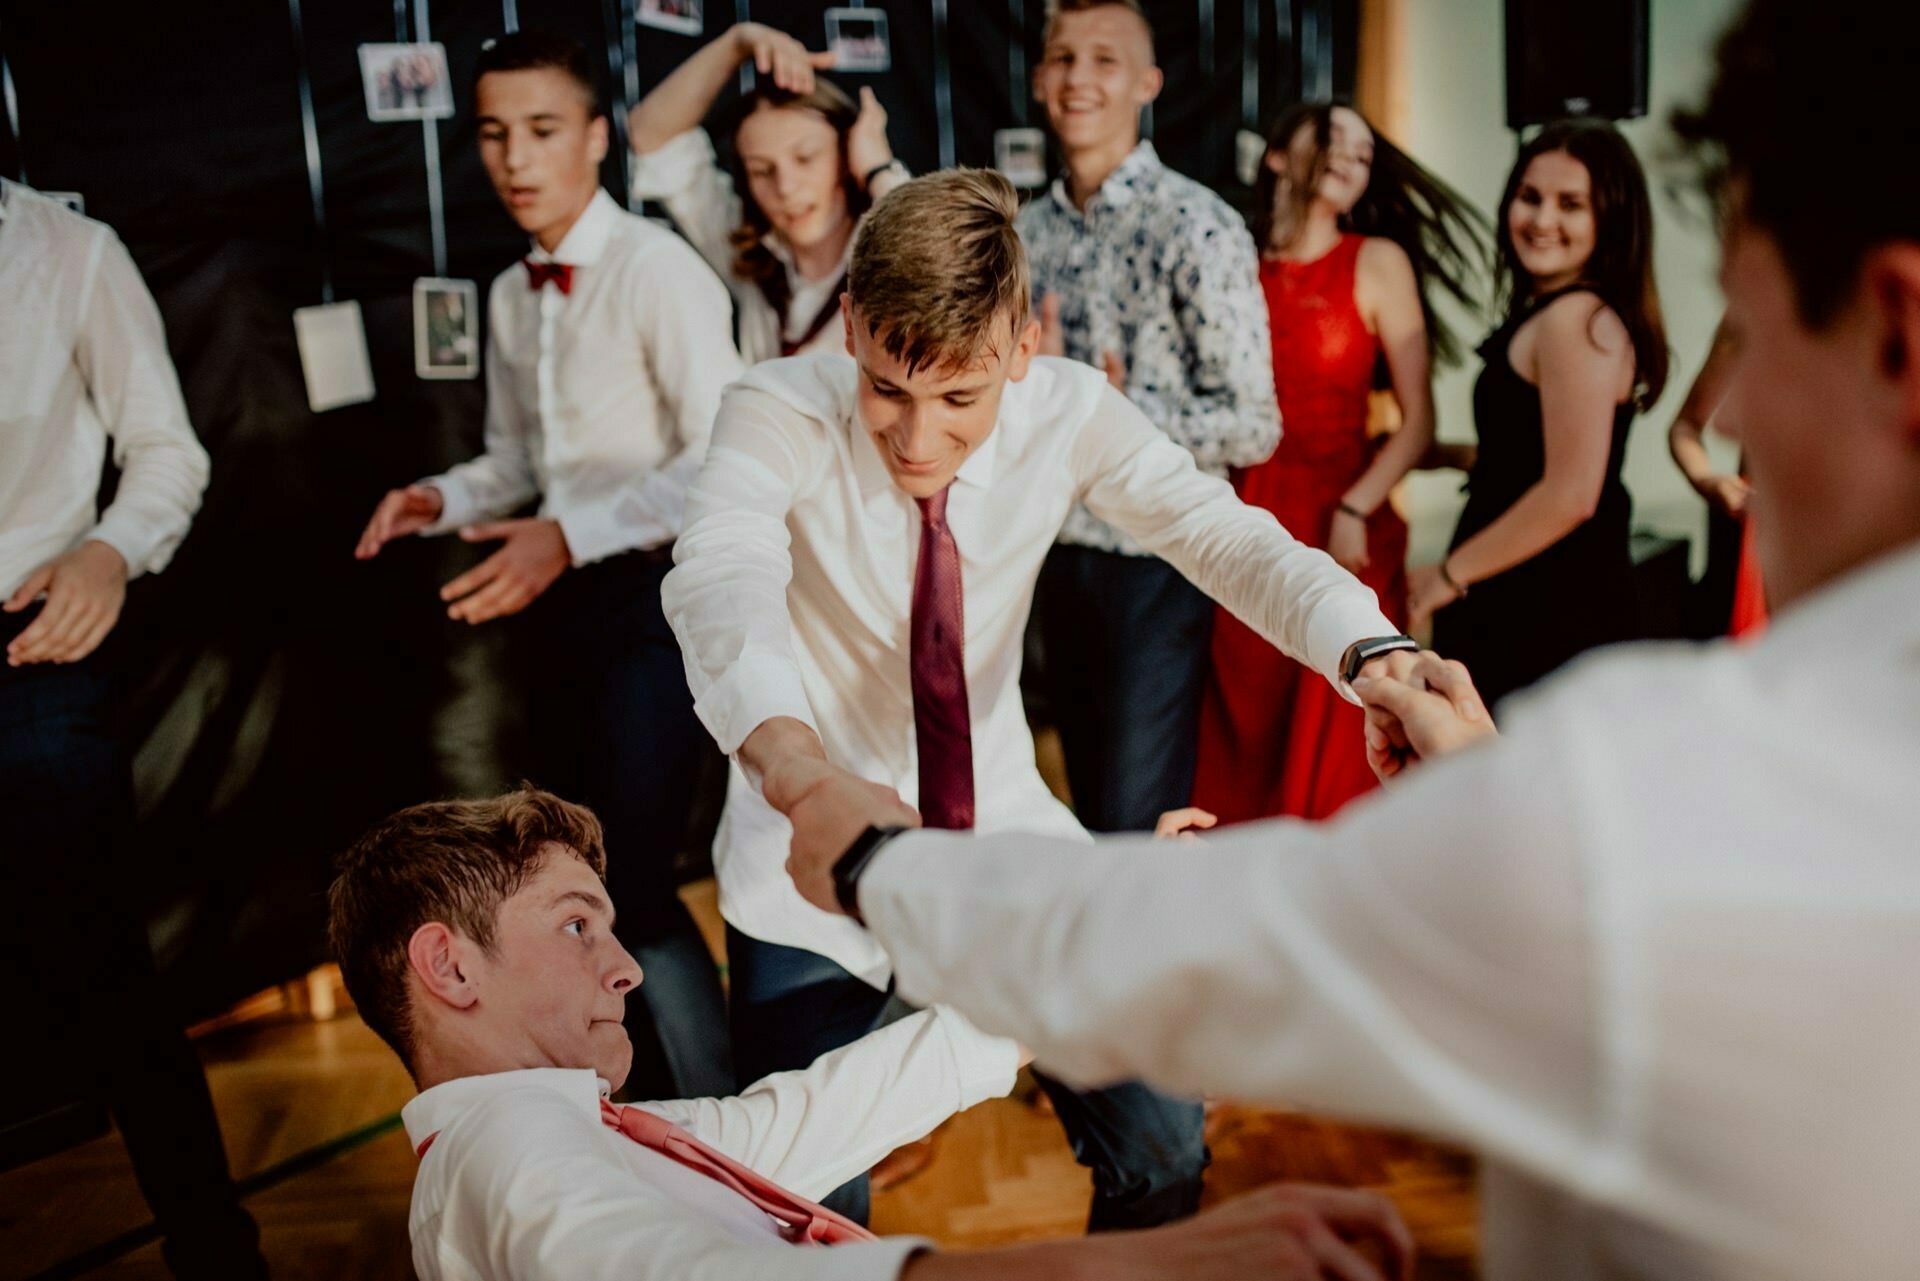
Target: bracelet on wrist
1351,510
866,183
1446,576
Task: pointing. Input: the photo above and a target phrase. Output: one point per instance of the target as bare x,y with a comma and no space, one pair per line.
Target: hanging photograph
406,81
1249,149
1021,154
446,328
332,339
682,16
857,39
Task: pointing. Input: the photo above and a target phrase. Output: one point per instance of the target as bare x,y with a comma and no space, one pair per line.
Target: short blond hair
1057,7
937,266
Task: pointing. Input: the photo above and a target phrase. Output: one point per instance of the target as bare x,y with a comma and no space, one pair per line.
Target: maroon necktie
539,273
942,726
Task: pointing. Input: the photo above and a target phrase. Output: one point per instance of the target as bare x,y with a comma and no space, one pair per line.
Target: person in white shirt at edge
1653,950
476,938
830,653
84,365
607,350
813,163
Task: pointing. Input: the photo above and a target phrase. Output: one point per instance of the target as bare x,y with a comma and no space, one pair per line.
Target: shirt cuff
1333,629
986,1066
144,550
757,687
672,167
596,531
456,505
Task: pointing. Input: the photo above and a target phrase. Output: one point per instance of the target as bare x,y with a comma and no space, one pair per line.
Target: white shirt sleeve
684,175
545,1197
726,598
122,355
1294,595
813,1130
502,478
1427,961
689,348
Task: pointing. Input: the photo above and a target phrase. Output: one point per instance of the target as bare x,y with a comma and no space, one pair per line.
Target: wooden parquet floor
1002,1172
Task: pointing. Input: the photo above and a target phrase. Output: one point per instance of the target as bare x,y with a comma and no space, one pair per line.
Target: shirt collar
1866,619
432,1111
587,239
1121,186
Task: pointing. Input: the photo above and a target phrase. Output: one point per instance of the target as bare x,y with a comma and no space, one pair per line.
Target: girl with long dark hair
1354,236
811,160
1539,568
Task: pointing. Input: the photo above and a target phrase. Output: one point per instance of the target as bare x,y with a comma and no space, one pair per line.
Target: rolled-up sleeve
122,354
726,598
1296,596
683,175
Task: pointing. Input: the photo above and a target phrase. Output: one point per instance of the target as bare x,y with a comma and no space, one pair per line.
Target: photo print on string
446,328
1249,149
1021,155
406,81
333,355
857,39
681,16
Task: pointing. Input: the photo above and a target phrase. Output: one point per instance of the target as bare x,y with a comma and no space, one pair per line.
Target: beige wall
1452,53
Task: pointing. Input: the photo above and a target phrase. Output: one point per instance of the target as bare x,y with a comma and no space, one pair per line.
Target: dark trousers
85,1003
615,730
1146,1150
1125,640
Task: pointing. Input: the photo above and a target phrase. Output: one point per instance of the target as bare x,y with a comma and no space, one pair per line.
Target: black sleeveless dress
1514,628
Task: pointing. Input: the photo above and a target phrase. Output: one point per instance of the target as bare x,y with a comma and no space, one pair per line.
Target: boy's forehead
1109,24
529,91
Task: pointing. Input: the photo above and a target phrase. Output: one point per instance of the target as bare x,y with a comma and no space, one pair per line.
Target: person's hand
401,512
85,589
1287,1232
1053,338
1428,592
534,553
1181,823
1726,494
777,54
1115,367
830,809
1421,713
867,145
1347,541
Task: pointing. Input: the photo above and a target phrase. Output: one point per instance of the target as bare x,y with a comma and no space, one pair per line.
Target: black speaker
1575,58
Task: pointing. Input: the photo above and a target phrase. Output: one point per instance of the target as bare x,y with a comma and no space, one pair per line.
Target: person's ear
846,318
1891,275
1152,80
1276,160
437,957
597,138
1023,350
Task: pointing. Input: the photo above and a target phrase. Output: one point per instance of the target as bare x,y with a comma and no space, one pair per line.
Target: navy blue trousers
615,730
1146,1150
1126,643
84,1000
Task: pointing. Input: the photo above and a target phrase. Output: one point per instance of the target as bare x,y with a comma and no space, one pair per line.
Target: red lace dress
1274,736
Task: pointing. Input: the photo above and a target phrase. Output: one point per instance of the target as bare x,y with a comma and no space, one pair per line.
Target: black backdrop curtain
282,695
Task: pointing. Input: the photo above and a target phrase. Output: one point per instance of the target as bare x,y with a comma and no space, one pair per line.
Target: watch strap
848,867
1360,653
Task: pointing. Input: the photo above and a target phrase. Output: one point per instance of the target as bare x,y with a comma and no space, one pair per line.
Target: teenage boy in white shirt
1653,950
476,938
607,349
845,510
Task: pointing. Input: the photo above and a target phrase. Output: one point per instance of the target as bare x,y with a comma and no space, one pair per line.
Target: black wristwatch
1362,652
848,867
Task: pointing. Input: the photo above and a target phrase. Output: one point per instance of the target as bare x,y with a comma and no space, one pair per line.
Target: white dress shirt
1653,953
684,175
600,400
83,359
793,594
524,1180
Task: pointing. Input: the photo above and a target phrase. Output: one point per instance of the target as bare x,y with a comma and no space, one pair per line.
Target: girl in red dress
1351,232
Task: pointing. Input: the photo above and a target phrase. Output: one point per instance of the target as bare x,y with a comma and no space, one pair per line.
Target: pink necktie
942,725
801,1221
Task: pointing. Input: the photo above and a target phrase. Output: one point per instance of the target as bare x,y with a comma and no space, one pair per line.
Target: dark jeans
615,730
1146,1150
1125,640
87,1010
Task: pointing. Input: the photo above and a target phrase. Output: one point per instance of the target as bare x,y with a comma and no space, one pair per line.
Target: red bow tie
539,273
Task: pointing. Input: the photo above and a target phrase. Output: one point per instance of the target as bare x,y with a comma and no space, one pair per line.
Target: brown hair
936,266
454,862
753,260
1057,7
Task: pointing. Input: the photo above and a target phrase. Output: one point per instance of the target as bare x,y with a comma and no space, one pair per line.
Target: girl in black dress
1539,568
